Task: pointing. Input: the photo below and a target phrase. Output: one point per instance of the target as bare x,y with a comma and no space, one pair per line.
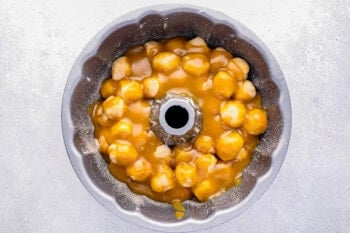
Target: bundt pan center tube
176,119
161,22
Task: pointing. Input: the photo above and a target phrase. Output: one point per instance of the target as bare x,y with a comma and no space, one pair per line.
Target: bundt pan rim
93,66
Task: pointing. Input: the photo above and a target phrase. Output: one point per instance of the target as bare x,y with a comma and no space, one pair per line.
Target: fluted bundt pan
160,22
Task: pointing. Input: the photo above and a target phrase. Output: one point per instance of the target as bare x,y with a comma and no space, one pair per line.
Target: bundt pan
94,65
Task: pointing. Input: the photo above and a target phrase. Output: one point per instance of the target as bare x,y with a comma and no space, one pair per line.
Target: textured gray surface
39,42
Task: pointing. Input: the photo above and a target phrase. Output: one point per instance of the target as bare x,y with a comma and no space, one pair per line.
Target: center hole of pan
176,116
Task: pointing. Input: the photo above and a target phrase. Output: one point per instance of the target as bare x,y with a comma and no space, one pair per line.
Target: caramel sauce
145,141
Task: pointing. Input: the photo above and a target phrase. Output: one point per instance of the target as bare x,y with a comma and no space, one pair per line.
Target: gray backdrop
39,41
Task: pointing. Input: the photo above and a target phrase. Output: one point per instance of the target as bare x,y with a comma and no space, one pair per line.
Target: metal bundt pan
94,65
